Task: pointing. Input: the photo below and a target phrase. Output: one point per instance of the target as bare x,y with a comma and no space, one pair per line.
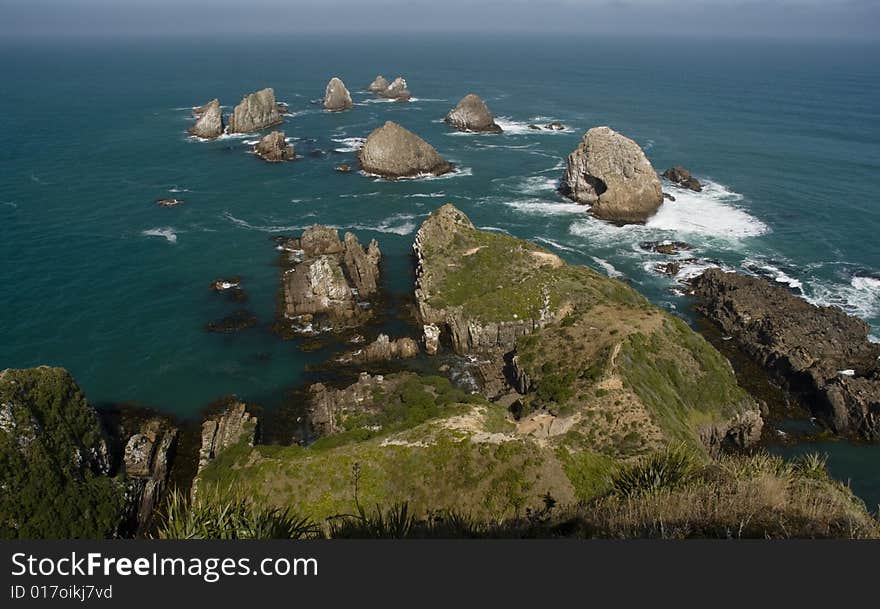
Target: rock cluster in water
274,148
394,152
397,90
819,352
327,283
611,173
472,114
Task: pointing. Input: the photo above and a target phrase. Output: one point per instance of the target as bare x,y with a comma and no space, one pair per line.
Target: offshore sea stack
256,112
611,173
820,353
472,114
378,85
336,96
209,121
327,283
394,152
274,148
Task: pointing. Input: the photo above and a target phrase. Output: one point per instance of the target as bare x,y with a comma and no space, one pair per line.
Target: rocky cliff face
327,283
820,352
378,85
225,430
147,460
336,96
274,148
328,408
256,112
472,114
610,173
209,121
393,152
445,243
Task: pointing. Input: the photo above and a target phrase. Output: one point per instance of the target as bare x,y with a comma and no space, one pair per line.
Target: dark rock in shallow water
394,152
336,96
555,126
668,248
274,148
682,177
611,173
230,287
534,127
256,112
169,202
326,283
343,168
239,320
668,268
472,114
384,349
668,196
209,121
819,352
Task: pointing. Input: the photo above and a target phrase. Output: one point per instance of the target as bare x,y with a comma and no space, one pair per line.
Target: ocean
100,280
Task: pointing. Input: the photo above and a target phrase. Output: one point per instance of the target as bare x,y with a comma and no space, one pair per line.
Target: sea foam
166,232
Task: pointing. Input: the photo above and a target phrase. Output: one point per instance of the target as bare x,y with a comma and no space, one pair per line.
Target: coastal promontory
610,173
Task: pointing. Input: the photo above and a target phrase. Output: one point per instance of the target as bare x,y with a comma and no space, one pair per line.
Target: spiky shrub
671,467
217,513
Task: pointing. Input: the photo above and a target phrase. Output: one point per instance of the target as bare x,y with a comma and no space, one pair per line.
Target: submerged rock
667,248
378,85
327,283
472,114
802,345
209,121
682,177
336,96
230,287
169,202
256,112
397,90
239,320
610,173
555,126
343,168
394,152
274,148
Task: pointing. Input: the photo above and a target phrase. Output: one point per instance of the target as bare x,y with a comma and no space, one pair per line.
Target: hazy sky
783,18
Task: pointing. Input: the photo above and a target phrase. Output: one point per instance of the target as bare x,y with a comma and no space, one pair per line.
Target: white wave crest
546,208
555,244
712,212
607,267
861,297
166,232
349,144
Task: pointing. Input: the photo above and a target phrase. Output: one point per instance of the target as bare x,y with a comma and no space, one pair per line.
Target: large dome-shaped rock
336,96
397,90
274,148
256,111
378,85
394,152
209,121
472,114
611,173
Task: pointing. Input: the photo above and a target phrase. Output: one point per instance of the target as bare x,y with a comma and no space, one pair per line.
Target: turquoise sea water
98,279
